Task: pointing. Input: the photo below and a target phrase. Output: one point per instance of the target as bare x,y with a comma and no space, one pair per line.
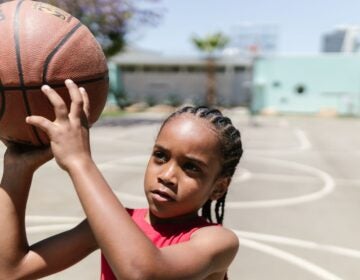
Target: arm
18,260
128,251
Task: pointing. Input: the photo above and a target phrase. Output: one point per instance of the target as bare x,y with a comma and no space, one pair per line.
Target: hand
69,132
22,158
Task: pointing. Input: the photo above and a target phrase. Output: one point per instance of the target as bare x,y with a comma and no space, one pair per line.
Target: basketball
42,44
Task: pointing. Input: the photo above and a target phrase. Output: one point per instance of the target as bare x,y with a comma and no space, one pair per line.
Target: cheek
192,188
150,173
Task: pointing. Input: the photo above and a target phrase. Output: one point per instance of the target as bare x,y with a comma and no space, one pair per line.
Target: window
276,84
300,89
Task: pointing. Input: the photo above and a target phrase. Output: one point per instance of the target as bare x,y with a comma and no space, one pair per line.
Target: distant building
154,78
254,39
343,39
319,84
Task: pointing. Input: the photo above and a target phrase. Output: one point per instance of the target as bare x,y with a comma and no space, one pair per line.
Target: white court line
242,175
304,141
52,219
329,186
276,177
65,223
337,250
304,144
243,234
49,228
290,258
274,252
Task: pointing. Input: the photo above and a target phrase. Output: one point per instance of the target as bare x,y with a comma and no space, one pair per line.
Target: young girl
192,162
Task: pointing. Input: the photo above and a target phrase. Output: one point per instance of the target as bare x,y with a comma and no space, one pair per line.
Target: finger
86,101
40,122
58,103
76,106
86,108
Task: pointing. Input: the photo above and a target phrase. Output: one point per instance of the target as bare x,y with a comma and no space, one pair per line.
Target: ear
221,187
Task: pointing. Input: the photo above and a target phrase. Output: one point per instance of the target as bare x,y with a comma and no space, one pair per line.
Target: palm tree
209,45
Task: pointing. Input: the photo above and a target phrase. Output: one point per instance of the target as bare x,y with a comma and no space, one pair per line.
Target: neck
154,220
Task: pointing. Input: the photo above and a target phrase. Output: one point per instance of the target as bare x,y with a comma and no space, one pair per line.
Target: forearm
53,254
18,260
14,190
56,253
117,235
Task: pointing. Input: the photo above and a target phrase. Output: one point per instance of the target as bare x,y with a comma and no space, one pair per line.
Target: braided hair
231,150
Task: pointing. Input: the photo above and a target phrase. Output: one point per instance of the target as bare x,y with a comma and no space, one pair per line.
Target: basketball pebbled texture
41,44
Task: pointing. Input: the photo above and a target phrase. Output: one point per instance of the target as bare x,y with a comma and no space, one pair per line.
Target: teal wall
116,88
307,84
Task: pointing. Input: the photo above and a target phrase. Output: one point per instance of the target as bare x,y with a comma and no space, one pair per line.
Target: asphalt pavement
294,200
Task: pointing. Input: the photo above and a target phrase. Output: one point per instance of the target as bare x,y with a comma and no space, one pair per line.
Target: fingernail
45,87
68,81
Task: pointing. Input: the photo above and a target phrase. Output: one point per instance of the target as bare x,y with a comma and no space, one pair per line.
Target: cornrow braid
231,150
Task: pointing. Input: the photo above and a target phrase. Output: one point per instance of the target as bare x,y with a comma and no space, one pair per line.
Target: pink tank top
160,235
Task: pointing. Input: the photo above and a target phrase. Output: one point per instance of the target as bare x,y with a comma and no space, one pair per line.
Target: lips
162,195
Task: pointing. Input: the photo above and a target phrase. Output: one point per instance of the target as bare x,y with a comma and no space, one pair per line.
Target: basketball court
294,201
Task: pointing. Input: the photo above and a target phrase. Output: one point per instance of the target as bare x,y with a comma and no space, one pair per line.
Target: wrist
80,164
18,171
15,176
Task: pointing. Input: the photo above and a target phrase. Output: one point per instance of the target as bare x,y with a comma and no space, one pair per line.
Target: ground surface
294,202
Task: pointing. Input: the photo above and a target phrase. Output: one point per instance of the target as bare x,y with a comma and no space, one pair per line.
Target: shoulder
210,250
215,232
222,240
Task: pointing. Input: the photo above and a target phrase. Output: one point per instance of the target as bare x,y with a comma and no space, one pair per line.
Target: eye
192,167
160,156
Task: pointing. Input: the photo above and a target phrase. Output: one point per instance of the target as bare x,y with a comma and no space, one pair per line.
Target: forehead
194,134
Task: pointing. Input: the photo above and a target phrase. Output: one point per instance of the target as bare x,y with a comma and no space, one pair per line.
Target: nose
167,175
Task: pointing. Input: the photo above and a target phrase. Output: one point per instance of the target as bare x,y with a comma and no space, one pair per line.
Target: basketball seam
19,65
36,87
56,49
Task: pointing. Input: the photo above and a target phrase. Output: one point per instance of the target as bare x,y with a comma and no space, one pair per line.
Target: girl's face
183,170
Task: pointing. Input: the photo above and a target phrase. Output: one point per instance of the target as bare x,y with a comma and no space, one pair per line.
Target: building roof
145,57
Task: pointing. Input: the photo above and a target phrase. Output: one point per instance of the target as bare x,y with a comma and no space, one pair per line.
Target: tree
209,45
108,20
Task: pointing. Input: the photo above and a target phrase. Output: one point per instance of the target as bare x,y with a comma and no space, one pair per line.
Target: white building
155,78
344,39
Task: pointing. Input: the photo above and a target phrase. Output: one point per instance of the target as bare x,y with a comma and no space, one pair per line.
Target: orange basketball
41,44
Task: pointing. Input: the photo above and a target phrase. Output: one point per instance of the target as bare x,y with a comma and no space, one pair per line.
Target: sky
300,23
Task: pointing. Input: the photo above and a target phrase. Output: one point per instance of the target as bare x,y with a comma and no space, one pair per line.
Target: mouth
162,195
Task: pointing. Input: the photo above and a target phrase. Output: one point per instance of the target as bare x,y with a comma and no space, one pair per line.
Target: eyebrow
188,157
